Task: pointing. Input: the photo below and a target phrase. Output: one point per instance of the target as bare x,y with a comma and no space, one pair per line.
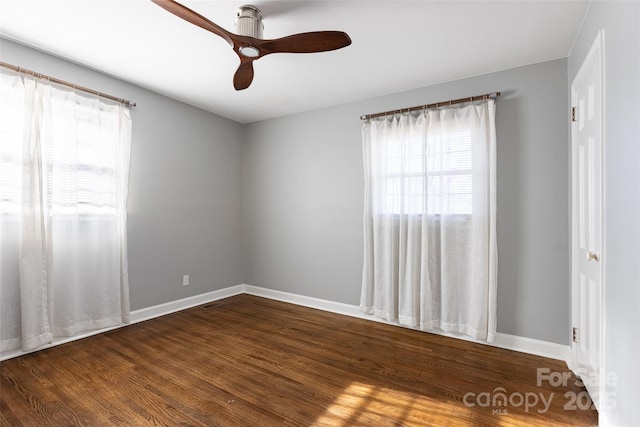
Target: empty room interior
372,213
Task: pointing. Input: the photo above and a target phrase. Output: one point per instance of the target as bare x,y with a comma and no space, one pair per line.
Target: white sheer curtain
430,257
64,164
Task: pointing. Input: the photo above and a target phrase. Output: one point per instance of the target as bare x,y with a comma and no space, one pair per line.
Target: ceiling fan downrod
249,23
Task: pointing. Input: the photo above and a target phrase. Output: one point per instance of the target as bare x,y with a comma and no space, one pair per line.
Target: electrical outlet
185,280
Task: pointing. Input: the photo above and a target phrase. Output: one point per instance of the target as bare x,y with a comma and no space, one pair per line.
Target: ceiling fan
249,45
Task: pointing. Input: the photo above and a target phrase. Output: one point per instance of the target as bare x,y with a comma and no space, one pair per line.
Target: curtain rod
71,85
434,105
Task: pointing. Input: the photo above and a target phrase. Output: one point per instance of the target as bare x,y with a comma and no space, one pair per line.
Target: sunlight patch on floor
366,404
373,405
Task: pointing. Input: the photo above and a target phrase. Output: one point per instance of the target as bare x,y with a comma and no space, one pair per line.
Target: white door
587,257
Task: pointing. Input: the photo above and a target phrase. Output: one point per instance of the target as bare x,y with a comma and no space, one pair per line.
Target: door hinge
573,114
575,334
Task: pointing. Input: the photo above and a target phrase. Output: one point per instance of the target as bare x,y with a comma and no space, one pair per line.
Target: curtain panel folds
64,164
430,259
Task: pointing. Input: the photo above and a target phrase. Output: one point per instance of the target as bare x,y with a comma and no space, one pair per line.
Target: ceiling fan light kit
248,43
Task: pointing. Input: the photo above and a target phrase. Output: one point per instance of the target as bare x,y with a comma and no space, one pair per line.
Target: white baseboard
320,304
140,316
532,346
506,341
510,342
182,304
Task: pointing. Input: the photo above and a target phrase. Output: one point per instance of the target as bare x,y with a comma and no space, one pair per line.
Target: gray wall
303,197
621,256
283,210
185,187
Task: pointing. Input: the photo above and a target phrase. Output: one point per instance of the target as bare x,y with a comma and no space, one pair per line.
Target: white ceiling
397,46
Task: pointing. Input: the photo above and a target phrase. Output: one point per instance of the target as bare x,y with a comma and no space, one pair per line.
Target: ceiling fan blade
244,75
318,41
195,18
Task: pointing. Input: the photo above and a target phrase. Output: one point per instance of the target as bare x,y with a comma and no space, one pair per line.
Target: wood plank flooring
249,361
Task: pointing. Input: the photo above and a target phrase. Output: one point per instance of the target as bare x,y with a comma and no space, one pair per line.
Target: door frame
596,53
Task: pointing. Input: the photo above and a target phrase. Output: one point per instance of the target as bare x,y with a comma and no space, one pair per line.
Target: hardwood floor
249,361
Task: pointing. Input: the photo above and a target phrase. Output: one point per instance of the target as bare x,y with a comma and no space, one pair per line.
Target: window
437,176
80,155
64,164
81,160
429,219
